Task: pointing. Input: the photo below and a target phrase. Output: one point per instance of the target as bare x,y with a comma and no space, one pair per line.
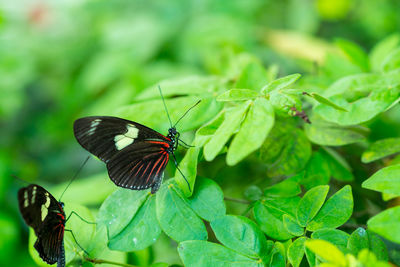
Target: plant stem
241,201
100,261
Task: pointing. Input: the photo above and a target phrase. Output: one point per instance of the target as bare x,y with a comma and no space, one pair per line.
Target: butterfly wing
135,155
44,214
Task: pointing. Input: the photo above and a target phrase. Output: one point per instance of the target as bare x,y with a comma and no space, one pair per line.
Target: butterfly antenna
19,179
165,106
187,112
73,178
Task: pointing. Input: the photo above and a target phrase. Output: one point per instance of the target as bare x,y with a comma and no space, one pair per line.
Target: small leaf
364,239
254,76
385,180
205,132
335,212
278,258
386,224
232,121
317,171
292,226
208,200
327,251
253,131
280,83
354,53
240,234
339,168
392,61
380,51
204,254
334,236
176,217
326,101
237,95
287,188
381,149
188,166
311,203
142,231
296,251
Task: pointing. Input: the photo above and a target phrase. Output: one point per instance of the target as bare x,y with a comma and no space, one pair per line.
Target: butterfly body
46,216
135,155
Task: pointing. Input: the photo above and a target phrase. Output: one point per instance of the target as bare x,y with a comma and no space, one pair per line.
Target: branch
241,201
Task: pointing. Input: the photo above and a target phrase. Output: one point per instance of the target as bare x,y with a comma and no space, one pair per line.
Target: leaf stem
100,261
241,201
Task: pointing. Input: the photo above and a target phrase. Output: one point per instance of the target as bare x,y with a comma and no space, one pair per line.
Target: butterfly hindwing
45,215
135,155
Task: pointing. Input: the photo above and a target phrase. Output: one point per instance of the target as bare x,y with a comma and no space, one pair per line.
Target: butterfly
135,155
46,216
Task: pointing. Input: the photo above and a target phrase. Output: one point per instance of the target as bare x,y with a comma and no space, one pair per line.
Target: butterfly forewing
135,155
45,215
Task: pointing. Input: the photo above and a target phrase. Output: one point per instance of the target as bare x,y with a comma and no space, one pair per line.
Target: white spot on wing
93,126
33,195
124,140
26,202
45,207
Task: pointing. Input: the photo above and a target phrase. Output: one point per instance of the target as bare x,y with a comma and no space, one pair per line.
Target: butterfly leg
184,144
73,236
73,212
176,165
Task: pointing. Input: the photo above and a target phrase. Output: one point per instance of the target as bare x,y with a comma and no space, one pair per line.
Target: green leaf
380,149
237,95
287,188
280,83
142,231
317,171
232,121
278,258
385,180
254,76
311,257
354,53
198,253
240,234
176,217
286,150
208,200
284,100
292,226
296,251
329,134
188,166
392,61
364,239
334,236
368,259
327,251
326,101
386,224
119,208
311,203
253,131
380,51
269,216
335,212
205,132
339,168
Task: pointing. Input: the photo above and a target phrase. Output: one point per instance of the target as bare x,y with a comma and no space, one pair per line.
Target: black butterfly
46,216
135,155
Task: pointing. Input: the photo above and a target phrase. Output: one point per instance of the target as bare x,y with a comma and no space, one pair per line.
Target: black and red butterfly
46,216
135,155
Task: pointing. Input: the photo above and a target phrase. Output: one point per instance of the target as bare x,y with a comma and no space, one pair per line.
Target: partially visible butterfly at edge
46,216
134,154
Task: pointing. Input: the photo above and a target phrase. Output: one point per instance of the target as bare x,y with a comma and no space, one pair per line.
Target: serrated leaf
208,200
335,212
198,253
232,121
327,251
380,149
240,234
386,180
237,95
188,166
296,251
142,231
310,204
292,225
386,224
280,83
253,131
176,217
326,101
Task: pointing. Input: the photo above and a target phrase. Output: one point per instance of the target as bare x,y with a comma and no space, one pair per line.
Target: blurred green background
62,59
